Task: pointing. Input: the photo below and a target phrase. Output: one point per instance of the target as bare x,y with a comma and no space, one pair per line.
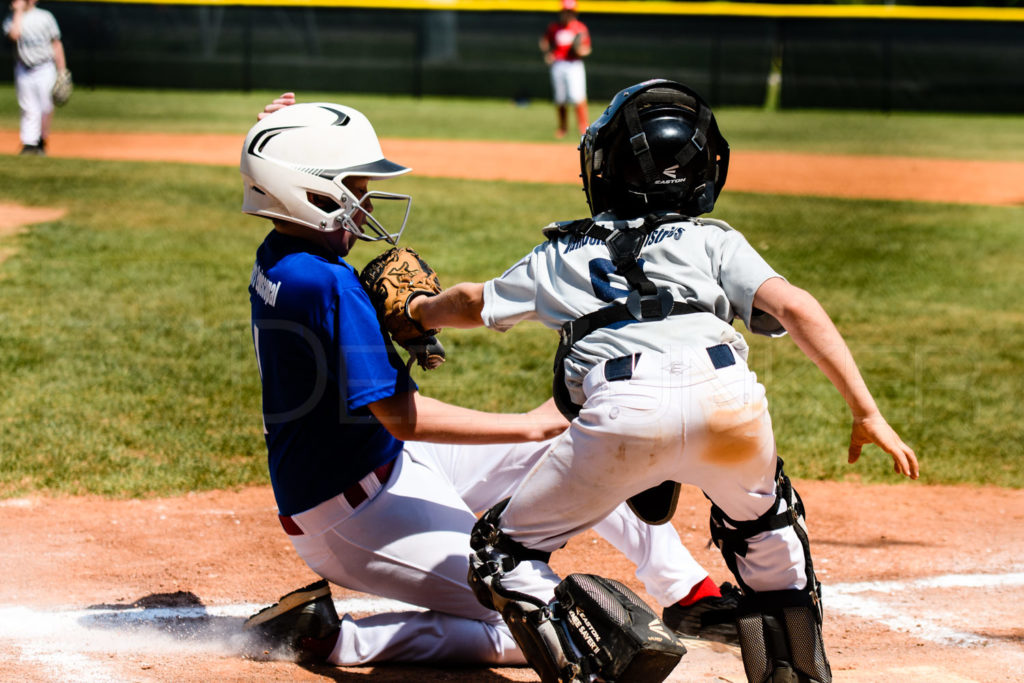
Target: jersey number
600,270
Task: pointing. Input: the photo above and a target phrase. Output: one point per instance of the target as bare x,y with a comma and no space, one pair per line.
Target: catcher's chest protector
619,637
645,302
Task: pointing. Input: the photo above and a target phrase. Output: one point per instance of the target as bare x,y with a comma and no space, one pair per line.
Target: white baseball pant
410,542
569,81
678,418
34,88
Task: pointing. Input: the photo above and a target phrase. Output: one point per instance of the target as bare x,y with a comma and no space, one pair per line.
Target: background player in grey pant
656,379
39,56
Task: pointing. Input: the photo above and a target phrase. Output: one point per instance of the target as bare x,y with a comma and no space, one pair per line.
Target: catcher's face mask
656,147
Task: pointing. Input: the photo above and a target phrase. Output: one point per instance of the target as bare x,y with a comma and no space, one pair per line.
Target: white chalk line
847,598
61,642
109,628
78,644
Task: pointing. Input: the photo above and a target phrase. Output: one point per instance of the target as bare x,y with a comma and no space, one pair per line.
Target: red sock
705,589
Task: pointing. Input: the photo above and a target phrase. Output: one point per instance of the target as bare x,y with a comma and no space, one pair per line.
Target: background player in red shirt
565,44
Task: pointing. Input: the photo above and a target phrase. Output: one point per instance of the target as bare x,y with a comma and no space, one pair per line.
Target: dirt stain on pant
734,431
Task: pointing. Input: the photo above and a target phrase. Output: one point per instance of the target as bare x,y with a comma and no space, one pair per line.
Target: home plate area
140,641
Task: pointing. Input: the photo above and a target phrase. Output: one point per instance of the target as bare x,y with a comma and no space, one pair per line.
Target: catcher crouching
376,486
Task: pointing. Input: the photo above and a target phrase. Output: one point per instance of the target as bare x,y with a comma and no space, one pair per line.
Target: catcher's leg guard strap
543,643
495,555
594,627
529,619
732,536
780,638
487,532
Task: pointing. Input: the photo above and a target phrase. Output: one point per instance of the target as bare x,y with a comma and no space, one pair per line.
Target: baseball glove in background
63,88
392,280
576,50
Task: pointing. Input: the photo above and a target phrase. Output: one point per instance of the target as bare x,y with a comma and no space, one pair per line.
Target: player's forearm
814,332
58,55
414,417
459,306
819,339
14,33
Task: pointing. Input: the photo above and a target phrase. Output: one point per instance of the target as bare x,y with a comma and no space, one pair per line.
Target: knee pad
780,638
594,629
487,532
780,631
731,536
532,622
616,636
495,554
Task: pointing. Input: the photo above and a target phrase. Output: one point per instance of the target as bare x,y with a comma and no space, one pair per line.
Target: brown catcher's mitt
392,280
63,88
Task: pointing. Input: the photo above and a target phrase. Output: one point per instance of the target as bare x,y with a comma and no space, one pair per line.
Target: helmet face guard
295,162
656,147
372,226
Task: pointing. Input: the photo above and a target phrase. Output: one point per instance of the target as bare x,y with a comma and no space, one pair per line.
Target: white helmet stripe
299,155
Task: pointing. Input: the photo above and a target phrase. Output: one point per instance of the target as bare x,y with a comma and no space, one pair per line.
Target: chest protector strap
645,302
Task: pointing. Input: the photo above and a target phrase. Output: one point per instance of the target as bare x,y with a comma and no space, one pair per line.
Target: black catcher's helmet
657,147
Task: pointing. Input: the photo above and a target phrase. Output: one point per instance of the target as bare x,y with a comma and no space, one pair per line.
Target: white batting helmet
294,161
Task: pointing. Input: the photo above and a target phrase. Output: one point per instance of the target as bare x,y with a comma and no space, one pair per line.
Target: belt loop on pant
290,527
354,495
721,356
620,368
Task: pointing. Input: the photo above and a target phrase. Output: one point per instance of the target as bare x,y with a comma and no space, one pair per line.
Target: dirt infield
875,177
922,583
14,218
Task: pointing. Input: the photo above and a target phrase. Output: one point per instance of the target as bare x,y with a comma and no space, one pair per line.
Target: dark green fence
845,63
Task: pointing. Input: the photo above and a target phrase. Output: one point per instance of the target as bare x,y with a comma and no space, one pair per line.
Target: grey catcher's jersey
701,261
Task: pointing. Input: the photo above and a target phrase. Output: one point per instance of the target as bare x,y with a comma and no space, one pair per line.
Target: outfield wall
848,56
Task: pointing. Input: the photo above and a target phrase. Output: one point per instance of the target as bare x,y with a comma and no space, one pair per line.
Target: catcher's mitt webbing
392,280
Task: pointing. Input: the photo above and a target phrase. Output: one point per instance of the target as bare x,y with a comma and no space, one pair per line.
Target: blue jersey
322,359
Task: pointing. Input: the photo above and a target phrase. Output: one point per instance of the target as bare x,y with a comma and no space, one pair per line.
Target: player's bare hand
873,429
286,99
549,421
19,5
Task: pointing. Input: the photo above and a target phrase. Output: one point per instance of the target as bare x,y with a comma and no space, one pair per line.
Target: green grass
126,360
999,138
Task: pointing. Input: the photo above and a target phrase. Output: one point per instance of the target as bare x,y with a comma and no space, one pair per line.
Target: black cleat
711,618
303,622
